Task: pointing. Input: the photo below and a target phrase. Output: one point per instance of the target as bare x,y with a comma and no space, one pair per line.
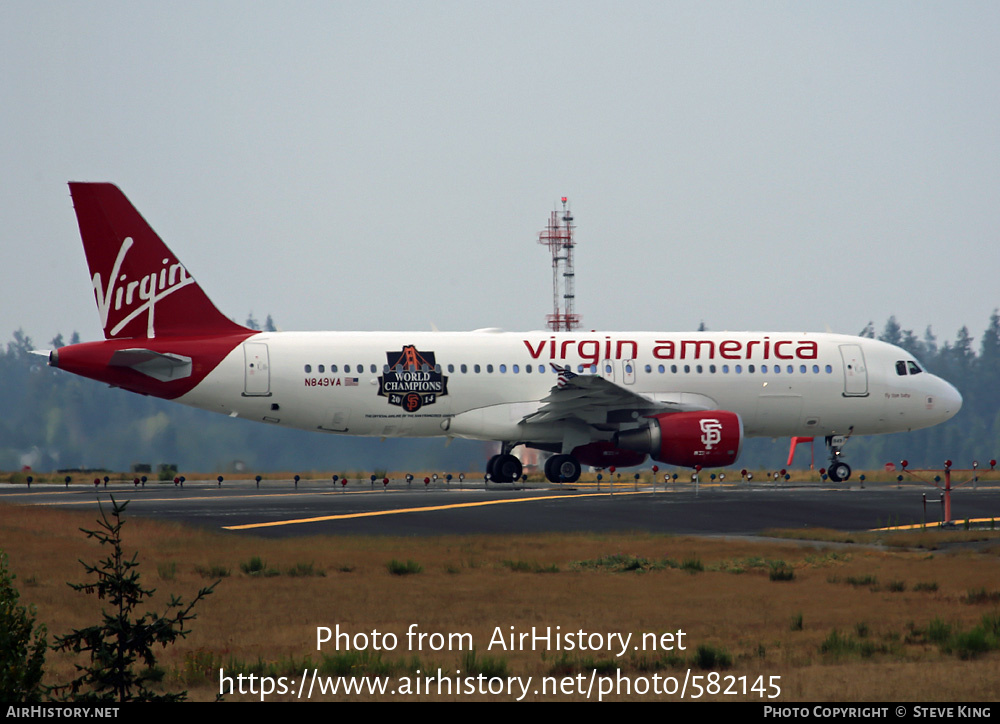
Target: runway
279,509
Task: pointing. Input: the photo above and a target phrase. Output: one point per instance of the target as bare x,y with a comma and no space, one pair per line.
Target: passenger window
476,368
309,368
660,369
320,369
489,368
527,368
503,368
516,369
451,369
464,369
333,368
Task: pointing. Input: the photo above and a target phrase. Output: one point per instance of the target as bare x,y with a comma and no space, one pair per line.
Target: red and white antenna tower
558,236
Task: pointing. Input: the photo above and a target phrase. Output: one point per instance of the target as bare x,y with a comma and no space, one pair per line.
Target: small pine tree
120,642
22,647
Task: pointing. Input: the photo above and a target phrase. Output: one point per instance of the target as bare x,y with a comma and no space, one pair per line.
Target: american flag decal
565,375
350,381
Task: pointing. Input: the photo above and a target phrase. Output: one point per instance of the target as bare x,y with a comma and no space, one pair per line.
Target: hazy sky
388,165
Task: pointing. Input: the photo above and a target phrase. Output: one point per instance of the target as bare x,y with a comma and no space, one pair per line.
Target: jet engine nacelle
708,439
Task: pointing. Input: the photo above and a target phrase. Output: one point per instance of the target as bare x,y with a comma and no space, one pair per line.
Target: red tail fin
142,290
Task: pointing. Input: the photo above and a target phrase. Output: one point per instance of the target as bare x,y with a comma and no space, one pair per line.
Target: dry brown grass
470,584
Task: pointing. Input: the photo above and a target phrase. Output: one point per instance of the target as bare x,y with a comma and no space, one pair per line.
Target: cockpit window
905,367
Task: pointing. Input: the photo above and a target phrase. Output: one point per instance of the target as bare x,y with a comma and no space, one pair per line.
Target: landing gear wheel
505,468
839,472
489,467
562,469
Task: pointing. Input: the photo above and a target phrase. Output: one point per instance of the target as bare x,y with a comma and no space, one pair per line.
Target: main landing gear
562,469
838,471
504,468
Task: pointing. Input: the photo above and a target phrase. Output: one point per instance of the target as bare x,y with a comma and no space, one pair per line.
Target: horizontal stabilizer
158,365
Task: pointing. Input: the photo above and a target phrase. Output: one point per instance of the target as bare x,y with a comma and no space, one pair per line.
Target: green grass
398,568
256,566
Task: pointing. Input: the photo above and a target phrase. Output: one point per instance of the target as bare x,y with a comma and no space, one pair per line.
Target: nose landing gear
838,471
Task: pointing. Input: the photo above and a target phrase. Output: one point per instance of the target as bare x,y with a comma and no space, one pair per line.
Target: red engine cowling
604,454
708,439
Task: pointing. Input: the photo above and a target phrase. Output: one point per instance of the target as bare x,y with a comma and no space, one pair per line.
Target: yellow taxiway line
429,508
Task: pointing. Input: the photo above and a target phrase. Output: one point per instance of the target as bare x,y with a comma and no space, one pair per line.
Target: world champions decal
412,380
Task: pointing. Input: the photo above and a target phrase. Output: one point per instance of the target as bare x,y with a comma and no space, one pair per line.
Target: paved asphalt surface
278,508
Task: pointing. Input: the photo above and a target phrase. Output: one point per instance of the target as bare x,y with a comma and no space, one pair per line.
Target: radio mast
558,236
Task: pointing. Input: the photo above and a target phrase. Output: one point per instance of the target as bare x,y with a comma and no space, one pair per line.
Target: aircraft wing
597,401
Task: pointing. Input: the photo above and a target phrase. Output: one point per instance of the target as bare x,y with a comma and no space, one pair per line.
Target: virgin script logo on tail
138,295
711,432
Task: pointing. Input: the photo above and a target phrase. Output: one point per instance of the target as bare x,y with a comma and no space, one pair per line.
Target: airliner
600,399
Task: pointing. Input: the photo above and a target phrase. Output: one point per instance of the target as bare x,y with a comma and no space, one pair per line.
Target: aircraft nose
949,399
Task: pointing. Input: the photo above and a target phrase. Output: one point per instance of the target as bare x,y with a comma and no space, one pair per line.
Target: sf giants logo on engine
412,379
711,432
133,297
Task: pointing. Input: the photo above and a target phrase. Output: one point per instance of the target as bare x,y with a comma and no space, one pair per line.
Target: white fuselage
482,384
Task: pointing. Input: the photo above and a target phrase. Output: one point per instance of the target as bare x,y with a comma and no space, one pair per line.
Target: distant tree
868,331
21,345
989,353
962,351
702,327
269,325
252,323
910,342
892,333
57,342
930,343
